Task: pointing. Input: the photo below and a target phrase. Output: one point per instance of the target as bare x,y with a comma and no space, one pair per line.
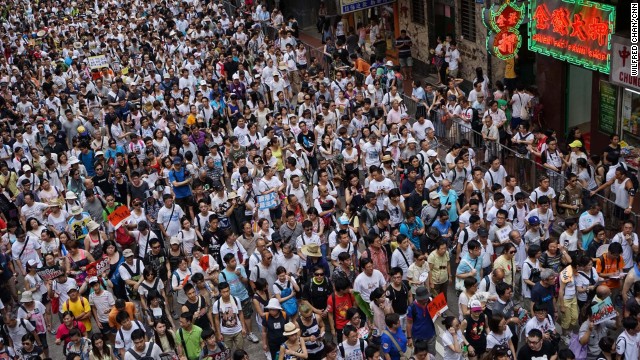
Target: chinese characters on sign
348,6
504,39
573,31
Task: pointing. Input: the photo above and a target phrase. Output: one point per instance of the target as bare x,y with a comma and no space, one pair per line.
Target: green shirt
190,341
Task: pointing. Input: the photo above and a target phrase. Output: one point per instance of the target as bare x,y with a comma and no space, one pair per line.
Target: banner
97,62
603,311
119,215
347,6
49,272
437,306
268,201
99,267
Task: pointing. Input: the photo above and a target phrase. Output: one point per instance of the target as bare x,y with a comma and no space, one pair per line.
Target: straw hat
386,158
312,250
290,329
92,226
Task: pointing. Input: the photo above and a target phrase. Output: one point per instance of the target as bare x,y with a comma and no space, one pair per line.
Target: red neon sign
504,39
579,33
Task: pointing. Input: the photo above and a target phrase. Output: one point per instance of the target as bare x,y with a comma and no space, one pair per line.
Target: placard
578,32
99,267
97,62
268,201
437,306
49,272
603,311
608,108
120,214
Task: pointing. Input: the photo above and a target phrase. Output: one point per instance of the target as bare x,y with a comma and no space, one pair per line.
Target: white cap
235,76
431,153
26,168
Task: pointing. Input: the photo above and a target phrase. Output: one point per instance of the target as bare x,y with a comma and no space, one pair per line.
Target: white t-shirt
526,275
102,302
375,185
229,319
366,284
272,183
519,99
584,279
627,345
155,352
447,340
493,339
352,352
170,222
569,242
627,250
371,153
123,336
402,259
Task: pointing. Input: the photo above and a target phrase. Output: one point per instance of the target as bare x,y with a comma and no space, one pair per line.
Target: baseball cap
433,195
475,305
575,144
431,153
534,220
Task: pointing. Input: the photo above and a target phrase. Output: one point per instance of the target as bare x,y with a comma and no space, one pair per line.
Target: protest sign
97,62
98,267
437,306
603,311
49,272
268,201
119,215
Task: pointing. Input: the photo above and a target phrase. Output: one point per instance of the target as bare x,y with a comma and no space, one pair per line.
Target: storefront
386,12
573,43
620,99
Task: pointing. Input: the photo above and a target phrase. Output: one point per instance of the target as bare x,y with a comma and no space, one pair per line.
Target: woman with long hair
165,337
500,335
100,350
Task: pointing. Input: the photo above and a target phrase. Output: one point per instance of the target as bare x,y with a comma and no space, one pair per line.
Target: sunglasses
318,274
512,252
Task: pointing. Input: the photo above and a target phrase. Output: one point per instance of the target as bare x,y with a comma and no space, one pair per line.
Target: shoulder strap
135,355
393,340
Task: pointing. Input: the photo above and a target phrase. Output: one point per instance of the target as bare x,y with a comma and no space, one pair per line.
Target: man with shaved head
489,282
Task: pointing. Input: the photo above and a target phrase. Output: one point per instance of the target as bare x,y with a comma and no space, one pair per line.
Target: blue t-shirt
236,286
87,161
388,347
467,263
422,327
407,230
451,198
179,176
443,228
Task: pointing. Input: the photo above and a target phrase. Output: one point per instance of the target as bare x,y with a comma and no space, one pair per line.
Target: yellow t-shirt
510,69
439,273
506,265
78,308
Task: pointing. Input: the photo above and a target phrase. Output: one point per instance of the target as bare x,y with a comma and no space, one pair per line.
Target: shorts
185,203
43,340
404,62
247,308
106,329
276,213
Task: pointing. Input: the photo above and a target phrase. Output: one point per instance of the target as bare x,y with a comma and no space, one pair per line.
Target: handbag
460,282
404,355
579,350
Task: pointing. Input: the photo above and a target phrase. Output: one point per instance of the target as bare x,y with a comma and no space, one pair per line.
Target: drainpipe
488,4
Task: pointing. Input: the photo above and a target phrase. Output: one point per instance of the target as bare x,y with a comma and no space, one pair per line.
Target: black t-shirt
102,181
399,298
317,294
157,263
545,353
202,321
211,240
544,295
307,140
475,332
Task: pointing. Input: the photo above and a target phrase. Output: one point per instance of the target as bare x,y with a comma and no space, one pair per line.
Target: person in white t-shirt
368,280
380,185
519,99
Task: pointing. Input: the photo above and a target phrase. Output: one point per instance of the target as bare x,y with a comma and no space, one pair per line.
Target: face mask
12,238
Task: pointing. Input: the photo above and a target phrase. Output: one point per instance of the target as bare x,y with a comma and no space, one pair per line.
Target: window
417,12
468,19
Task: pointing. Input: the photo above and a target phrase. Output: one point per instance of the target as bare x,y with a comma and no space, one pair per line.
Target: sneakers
566,339
254,339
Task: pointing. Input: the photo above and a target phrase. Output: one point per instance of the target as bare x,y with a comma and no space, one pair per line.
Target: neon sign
575,31
503,21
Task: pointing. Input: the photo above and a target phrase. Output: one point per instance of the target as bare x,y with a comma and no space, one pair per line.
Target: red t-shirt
63,331
343,303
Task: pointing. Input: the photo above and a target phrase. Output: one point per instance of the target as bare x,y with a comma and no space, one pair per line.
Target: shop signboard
621,64
608,107
575,31
348,6
503,21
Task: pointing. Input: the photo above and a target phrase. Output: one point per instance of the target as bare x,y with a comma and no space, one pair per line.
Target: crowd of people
178,179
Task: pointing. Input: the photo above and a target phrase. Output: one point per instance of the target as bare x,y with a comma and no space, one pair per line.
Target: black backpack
147,355
535,274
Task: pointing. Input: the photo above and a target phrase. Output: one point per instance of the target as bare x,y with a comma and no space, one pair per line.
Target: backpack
631,174
133,295
147,355
175,272
455,174
487,283
535,274
291,305
603,264
342,351
138,323
522,148
591,293
235,301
